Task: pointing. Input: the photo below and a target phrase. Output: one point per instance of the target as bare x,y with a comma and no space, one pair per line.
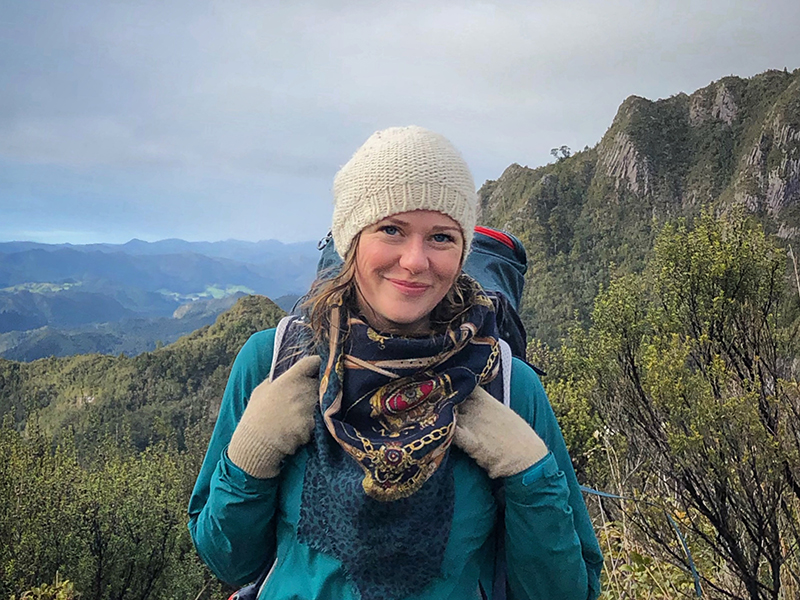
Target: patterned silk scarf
378,491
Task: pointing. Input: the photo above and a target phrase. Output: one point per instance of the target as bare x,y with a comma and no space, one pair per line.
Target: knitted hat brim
407,197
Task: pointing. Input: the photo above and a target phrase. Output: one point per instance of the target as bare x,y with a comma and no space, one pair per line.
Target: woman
367,469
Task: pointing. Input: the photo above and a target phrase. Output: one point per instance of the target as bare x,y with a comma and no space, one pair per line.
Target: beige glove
279,418
497,438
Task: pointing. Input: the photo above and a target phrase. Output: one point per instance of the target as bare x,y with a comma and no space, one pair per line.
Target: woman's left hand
497,438
279,418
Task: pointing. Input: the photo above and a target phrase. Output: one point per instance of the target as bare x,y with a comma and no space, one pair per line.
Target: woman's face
405,264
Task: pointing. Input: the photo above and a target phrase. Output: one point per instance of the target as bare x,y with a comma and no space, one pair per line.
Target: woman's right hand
279,418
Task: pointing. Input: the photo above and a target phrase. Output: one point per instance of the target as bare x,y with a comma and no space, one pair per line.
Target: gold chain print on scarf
388,479
401,407
492,365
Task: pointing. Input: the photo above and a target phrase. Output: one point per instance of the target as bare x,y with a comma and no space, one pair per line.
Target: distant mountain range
61,299
237,250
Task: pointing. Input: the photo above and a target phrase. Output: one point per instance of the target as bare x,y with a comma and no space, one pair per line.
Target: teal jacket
240,523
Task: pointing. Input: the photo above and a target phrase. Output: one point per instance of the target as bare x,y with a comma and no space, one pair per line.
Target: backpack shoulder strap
292,342
280,333
505,366
498,589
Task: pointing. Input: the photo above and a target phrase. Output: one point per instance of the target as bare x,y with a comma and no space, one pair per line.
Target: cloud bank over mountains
215,120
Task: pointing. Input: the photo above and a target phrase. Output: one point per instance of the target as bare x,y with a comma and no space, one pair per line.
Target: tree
113,523
561,153
691,367
60,589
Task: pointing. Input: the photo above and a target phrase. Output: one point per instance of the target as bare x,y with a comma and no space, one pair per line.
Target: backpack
498,261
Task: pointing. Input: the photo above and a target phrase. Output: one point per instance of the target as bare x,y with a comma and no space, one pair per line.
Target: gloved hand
279,418
497,438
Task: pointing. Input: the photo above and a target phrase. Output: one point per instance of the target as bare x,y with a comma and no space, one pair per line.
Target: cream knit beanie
399,170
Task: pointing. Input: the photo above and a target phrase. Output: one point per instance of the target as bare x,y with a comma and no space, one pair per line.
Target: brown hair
317,307
324,292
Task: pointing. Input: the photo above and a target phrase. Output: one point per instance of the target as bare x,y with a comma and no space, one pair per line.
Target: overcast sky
216,120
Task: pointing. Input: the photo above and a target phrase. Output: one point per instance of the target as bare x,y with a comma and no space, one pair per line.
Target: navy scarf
378,491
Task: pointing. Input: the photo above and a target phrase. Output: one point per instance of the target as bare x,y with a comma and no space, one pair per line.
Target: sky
228,120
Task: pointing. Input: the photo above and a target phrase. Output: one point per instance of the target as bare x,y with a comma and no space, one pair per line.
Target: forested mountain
130,336
594,213
178,385
664,293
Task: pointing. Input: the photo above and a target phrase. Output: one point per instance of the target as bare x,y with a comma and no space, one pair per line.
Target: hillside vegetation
178,385
98,456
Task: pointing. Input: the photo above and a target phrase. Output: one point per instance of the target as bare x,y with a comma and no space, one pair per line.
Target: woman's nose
414,257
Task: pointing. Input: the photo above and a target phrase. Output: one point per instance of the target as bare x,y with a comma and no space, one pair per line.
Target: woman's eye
442,238
389,229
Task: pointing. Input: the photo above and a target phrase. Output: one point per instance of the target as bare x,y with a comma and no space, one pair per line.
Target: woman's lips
409,288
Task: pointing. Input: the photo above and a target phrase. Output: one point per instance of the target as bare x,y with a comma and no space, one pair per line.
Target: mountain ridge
735,142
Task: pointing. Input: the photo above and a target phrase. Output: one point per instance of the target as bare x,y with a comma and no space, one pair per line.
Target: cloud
248,104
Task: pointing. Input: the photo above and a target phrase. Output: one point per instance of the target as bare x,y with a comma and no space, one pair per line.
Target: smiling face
404,266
